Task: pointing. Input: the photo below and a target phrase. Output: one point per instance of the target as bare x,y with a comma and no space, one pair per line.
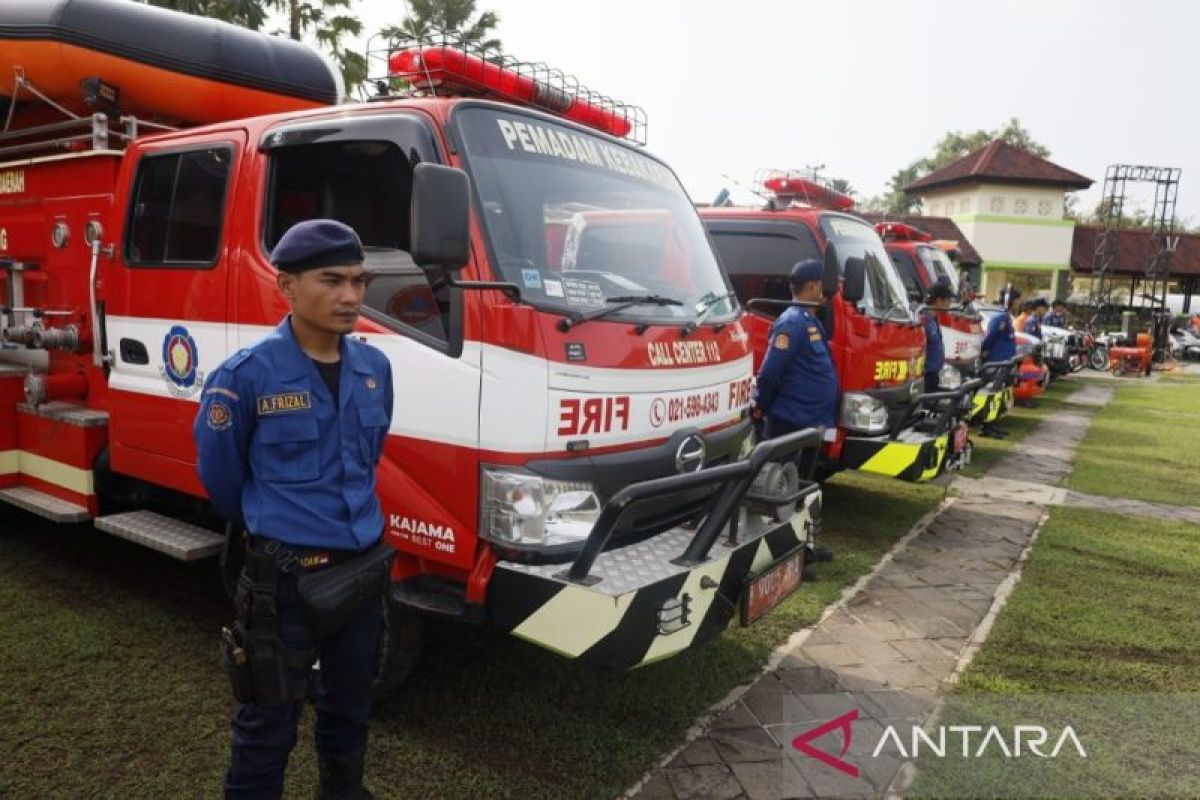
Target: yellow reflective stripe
9,461
942,446
672,643
892,459
60,474
574,620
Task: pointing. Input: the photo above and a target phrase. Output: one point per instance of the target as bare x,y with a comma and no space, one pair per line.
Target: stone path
887,652
1038,494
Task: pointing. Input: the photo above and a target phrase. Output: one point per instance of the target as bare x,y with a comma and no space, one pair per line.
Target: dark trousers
263,736
931,382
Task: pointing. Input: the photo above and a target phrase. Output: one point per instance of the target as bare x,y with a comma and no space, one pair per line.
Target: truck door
165,301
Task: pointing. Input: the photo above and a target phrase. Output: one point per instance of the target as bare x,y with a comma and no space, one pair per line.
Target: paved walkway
886,652
1002,490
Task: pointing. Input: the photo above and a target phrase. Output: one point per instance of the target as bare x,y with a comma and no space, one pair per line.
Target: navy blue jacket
797,382
1056,319
275,453
935,349
1000,342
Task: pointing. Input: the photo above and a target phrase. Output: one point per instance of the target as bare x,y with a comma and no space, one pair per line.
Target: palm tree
435,17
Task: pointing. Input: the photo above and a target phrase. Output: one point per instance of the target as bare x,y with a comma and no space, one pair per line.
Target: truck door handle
134,352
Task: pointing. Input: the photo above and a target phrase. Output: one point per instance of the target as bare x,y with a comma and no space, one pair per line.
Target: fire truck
569,459
920,263
887,425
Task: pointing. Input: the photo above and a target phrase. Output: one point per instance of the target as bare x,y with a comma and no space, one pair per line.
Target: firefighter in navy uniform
797,384
288,435
1000,344
937,299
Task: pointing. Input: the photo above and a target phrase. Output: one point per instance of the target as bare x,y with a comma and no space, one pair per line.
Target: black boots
342,776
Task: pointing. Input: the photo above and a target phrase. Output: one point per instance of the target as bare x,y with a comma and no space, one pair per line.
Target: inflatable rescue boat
164,65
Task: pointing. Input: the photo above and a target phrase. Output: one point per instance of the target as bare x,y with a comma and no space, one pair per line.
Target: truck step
44,505
177,539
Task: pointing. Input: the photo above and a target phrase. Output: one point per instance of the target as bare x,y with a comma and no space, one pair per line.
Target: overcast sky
866,87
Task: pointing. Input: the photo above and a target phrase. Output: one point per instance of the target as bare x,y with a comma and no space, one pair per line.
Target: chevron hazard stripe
990,405
643,608
916,458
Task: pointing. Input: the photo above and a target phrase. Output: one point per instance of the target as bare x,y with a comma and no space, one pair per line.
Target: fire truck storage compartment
166,65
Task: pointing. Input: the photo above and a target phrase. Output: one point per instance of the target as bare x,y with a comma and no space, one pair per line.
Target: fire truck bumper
627,606
910,456
990,404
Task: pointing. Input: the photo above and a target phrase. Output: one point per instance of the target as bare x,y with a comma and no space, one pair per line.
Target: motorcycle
1067,350
1185,346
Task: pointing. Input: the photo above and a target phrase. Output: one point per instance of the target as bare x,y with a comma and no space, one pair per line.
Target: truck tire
399,648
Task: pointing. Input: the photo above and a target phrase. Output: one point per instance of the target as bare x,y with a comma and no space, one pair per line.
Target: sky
866,87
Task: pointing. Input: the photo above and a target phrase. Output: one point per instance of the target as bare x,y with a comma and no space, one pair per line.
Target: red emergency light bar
899,232
446,68
808,191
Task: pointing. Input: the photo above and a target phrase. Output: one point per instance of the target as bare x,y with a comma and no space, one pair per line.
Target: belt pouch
332,596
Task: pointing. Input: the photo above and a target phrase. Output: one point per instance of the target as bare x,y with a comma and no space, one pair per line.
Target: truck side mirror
439,220
854,284
915,295
829,276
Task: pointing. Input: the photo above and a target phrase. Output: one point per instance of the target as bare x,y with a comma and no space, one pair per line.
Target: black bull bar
734,481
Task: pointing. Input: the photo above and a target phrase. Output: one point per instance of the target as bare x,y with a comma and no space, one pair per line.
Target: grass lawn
1145,444
112,686
1019,422
1102,626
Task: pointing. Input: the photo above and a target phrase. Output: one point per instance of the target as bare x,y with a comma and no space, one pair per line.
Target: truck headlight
525,510
864,413
949,378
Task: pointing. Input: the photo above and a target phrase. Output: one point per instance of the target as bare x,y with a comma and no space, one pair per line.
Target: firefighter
1000,344
937,299
797,384
288,435
1037,311
1058,315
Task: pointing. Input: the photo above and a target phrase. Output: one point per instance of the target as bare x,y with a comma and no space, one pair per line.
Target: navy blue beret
317,243
807,270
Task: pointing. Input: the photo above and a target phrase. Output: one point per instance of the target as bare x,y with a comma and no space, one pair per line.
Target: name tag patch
284,403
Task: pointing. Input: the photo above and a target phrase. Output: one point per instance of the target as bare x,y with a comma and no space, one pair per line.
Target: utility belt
332,587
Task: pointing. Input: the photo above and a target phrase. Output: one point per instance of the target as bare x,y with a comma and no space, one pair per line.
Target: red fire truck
886,425
921,263
569,459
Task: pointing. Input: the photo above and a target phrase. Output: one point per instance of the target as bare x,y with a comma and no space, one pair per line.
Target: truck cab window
178,208
368,186
907,269
759,263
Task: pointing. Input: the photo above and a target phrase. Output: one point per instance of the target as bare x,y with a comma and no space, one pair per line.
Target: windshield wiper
708,304
888,316
621,303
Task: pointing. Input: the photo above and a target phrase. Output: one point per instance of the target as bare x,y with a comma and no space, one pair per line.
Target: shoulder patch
219,416
781,341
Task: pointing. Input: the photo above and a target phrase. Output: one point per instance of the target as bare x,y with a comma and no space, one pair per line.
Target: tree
843,186
952,146
430,17
329,28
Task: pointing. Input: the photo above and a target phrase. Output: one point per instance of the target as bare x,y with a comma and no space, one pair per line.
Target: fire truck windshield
884,295
939,266
576,220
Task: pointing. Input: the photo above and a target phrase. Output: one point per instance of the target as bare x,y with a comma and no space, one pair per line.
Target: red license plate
770,587
960,438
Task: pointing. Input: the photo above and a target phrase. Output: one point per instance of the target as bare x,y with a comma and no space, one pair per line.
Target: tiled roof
1133,252
1000,162
938,228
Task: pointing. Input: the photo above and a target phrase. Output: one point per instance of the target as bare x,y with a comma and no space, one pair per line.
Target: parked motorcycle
1185,346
